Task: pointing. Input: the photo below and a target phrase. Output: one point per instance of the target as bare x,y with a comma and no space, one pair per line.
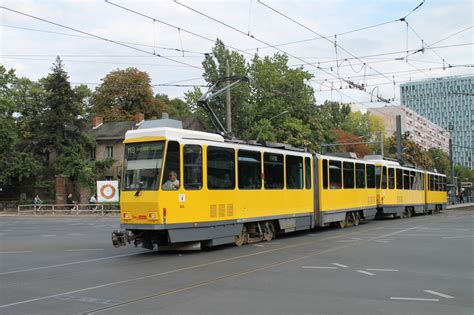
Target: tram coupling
121,238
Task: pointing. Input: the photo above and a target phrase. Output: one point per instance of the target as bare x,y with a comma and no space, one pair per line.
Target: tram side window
370,176
444,183
220,168
378,175
413,182
249,169
294,172
192,155
273,168
325,174
384,177
171,175
399,179
360,175
335,175
437,183
406,179
307,171
391,178
423,181
430,182
348,171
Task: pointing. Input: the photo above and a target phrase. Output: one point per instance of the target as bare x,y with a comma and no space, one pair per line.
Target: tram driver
172,183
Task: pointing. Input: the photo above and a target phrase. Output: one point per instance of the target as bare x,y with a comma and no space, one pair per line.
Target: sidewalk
461,206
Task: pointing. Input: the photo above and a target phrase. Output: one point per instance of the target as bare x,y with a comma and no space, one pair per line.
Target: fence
75,209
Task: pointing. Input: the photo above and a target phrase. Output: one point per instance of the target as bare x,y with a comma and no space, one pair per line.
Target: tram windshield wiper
140,186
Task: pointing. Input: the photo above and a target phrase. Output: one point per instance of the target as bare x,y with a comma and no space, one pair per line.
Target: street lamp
278,115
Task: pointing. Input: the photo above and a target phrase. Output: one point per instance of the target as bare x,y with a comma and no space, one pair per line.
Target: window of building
406,179
307,171
335,175
249,169
384,177
325,174
360,175
399,178
273,167
171,175
220,168
348,171
93,151
370,176
192,156
391,178
110,152
294,172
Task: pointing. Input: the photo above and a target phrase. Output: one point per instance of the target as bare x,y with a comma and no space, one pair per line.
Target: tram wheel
268,231
356,219
241,239
341,224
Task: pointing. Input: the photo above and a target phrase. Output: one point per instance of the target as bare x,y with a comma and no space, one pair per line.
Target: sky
373,56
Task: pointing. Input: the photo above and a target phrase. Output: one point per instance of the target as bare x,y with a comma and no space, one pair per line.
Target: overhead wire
98,37
172,26
90,37
314,32
252,36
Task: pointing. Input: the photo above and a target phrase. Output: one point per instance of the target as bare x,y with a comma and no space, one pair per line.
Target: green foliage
463,174
412,153
175,107
123,93
440,160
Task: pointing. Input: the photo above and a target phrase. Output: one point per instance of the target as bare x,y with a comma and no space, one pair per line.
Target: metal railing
76,209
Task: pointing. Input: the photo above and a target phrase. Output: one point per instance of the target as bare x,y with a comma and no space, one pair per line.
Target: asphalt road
67,265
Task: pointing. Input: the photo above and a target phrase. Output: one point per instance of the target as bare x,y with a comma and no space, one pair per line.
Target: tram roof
173,134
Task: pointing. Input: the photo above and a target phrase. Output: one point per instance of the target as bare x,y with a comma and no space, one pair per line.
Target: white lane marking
17,252
388,239
347,240
366,272
75,234
439,294
412,299
258,245
318,267
67,264
381,241
339,265
376,269
82,249
150,276
459,236
393,233
48,235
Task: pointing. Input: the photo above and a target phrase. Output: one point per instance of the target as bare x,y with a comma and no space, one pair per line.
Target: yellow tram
189,187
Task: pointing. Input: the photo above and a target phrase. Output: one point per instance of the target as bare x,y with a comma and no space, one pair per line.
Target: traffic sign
107,191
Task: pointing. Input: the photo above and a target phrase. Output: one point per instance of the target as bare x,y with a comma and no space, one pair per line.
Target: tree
412,153
175,107
17,162
360,149
440,160
123,93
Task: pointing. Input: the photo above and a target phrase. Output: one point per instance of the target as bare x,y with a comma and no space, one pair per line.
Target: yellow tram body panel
436,192
183,206
340,198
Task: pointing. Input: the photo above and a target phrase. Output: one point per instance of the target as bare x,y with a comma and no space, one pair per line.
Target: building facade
448,102
419,129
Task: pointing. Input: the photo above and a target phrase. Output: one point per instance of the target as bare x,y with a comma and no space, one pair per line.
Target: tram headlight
152,215
126,215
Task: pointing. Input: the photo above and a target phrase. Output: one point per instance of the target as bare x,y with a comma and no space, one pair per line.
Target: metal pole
381,144
451,162
227,100
399,137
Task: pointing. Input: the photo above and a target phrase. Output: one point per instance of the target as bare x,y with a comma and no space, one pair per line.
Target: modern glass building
449,103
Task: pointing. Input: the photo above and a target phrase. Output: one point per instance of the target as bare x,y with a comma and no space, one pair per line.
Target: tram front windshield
142,165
